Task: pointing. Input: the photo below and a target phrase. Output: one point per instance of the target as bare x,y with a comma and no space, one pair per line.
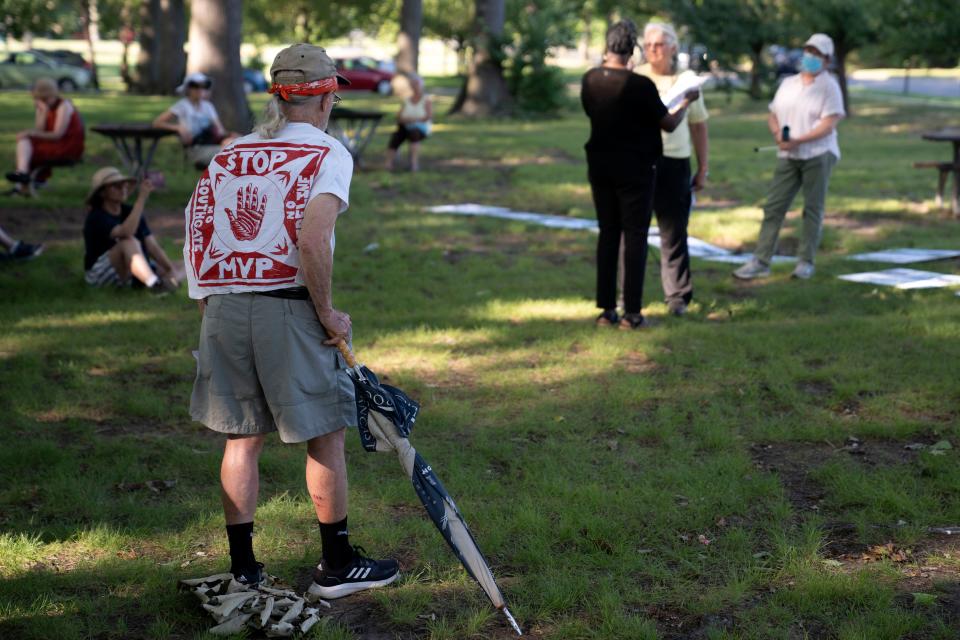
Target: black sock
335,539
241,546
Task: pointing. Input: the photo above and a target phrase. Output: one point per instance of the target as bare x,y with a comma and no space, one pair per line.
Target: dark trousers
671,203
624,203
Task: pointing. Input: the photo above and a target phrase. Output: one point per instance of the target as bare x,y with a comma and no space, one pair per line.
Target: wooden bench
944,169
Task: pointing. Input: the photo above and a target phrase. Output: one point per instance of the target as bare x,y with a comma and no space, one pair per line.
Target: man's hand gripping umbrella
385,416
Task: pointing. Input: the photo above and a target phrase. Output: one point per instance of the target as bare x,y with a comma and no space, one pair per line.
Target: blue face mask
811,63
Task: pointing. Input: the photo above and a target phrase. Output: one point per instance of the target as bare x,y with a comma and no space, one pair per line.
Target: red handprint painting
246,221
245,214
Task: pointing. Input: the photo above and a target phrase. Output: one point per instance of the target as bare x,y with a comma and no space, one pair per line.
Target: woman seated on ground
119,244
195,120
57,136
413,124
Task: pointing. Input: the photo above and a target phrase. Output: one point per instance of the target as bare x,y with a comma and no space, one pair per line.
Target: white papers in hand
684,83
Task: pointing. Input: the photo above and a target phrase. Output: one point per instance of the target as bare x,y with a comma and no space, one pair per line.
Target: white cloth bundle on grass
269,607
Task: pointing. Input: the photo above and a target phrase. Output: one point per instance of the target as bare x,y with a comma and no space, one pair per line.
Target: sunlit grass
588,462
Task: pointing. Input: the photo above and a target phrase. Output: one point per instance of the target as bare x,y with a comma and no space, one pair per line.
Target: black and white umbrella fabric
385,416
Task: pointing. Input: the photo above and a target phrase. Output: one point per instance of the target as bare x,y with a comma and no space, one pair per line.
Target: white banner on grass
744,258
698,248
905,278
905,256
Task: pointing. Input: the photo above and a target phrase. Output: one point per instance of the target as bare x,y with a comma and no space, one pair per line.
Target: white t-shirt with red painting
243,220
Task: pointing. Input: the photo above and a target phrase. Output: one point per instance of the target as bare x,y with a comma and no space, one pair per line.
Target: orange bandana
315,88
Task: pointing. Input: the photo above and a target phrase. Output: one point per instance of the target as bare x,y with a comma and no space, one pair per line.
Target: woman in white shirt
413,124
195,119
810,104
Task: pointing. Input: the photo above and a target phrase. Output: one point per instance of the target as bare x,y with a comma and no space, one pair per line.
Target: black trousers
623,198
671,203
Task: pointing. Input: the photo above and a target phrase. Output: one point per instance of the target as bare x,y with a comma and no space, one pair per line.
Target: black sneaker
24,251
251,576
608,318
632,321
361,573
19,177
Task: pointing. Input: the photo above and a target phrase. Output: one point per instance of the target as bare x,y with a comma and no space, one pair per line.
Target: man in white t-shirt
810,104
259,255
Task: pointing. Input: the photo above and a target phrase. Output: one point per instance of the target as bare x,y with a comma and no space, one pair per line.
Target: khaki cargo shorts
263,367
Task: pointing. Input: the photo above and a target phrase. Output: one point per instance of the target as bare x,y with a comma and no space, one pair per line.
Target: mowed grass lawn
738,473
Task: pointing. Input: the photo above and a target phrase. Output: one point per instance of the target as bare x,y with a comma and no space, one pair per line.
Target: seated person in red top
57,135
118,240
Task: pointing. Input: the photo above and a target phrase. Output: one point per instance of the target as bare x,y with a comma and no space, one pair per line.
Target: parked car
254,81
71,58
23,68
365,74
786,62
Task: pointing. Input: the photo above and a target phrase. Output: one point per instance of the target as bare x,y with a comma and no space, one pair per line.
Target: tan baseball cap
105,177
303,62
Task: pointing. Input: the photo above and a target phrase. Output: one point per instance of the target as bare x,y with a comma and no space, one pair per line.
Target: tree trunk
841,55
408,42
485,91
215,37
91,19
162,59
756,69
303,28
587,17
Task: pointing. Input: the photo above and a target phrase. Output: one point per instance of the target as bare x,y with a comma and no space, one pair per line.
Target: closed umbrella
385,416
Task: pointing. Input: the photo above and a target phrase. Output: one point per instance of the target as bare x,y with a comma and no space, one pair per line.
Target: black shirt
97,228
625,112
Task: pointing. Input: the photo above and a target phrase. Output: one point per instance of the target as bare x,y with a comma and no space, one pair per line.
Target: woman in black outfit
626,116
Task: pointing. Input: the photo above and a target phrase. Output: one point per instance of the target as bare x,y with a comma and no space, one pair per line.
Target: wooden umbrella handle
347,354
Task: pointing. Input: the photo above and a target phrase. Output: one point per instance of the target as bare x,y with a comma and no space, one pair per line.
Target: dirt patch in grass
65,224
545,157
793,461
872,225
637,362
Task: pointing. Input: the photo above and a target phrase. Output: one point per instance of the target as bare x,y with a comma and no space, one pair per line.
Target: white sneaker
751,270
803,270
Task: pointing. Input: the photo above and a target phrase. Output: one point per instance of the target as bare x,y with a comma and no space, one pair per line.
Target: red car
365,74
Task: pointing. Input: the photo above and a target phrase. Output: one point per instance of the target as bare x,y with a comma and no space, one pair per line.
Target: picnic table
135,142
946,168
354,128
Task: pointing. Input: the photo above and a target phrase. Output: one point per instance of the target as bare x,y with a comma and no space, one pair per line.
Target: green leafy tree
450,20
732,29
535,27
850,23
919,32
310,20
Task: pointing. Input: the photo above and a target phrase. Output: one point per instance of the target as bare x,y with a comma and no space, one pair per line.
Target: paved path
919,86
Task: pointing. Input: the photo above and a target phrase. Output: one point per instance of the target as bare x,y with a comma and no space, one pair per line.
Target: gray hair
279,112
669,34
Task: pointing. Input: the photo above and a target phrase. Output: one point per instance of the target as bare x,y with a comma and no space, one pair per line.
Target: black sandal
608,318
633,321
